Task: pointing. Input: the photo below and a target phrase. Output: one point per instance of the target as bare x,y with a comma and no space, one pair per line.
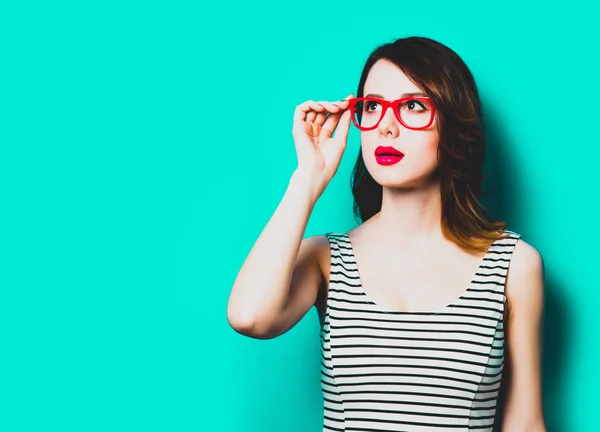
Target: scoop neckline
385,310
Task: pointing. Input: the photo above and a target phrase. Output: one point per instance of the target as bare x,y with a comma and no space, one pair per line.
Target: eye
371,105
414,105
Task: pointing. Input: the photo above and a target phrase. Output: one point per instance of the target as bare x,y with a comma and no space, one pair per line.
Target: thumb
341,133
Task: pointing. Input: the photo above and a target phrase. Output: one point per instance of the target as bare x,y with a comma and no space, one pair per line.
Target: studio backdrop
145,145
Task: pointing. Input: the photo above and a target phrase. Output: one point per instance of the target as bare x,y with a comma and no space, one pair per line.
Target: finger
332,107
330,125
311,116
302,109
344,102
342,105
330,119
333,120
320,119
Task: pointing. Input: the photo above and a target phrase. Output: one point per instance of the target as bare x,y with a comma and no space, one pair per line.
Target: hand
319,154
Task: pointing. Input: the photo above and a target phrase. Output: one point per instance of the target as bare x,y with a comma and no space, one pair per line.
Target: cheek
425,153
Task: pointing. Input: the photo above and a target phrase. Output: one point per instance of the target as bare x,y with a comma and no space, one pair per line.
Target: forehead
388,80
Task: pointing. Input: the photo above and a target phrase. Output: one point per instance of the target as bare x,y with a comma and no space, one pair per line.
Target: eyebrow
375,95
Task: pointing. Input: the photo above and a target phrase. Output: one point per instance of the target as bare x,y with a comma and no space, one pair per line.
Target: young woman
422,322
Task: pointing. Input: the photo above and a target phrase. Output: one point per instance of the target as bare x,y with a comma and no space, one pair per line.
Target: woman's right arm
281,277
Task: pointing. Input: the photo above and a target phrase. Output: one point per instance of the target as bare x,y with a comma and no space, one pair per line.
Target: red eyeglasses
413,112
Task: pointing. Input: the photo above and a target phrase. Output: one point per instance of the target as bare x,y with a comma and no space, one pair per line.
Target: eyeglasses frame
390,104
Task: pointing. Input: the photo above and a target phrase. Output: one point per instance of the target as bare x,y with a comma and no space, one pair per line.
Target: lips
388,151
388,155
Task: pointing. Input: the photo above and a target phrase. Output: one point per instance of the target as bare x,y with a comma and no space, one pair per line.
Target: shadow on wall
507,203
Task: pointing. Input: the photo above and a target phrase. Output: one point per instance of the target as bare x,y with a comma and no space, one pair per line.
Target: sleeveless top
385,370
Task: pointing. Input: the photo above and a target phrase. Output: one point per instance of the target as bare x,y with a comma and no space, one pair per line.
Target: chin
397,178
390,177
399,184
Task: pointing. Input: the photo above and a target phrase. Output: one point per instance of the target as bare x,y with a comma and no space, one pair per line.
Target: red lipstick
388,155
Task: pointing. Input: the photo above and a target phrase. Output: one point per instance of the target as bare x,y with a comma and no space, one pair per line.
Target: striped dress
384,370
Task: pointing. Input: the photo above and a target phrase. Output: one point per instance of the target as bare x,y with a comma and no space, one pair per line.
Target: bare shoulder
318,248
525,280
526,257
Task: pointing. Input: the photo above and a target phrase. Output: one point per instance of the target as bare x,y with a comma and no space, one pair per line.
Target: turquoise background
144,145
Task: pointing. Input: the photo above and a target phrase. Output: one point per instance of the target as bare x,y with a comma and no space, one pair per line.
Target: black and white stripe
386,370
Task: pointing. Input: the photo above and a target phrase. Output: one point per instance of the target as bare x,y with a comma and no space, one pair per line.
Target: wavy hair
446,80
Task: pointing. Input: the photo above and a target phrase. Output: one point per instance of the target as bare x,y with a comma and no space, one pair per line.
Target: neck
411,216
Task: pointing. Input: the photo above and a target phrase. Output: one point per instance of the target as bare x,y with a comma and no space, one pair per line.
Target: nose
388,124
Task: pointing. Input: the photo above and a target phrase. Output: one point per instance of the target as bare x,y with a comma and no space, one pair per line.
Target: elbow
239,320
247,325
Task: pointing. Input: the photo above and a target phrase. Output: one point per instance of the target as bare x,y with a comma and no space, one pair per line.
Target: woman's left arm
523,407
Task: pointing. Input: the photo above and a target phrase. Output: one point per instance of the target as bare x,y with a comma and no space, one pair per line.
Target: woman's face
419,147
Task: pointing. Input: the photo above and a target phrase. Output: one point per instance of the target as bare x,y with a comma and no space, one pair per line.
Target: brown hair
445,78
